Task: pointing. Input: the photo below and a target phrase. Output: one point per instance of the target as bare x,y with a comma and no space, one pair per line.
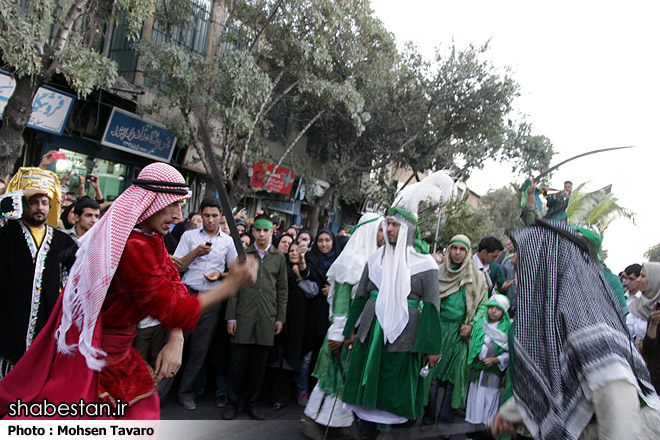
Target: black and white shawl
570,334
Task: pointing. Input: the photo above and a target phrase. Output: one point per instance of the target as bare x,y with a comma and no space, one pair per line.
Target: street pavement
206,423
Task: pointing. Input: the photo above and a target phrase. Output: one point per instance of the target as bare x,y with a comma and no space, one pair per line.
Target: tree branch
263,28
291,145
258,116
75,11
281,95
195,144
385,161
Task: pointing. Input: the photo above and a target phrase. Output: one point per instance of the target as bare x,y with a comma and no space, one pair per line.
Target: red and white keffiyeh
97,258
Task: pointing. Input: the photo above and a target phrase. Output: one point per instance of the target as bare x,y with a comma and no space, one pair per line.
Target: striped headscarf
451,280
571,337
158,185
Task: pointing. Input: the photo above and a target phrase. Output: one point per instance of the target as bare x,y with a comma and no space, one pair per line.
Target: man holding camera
203,256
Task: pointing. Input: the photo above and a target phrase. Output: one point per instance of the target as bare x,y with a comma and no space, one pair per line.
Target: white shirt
635,324
222,254
483,268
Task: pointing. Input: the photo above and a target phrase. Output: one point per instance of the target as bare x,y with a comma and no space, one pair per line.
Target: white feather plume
437,188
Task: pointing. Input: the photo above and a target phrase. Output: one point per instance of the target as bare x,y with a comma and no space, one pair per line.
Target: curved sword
525,185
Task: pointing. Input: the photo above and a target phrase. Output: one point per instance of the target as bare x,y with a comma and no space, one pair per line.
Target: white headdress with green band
400,261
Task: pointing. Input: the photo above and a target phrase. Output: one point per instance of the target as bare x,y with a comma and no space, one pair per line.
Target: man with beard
396,337
29,260
325,408
122,274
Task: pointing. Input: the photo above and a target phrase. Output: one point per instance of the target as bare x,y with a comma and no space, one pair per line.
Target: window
122,51
279,117
317,145
195,37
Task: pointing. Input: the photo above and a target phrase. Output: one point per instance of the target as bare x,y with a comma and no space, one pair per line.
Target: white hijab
642,306
348,267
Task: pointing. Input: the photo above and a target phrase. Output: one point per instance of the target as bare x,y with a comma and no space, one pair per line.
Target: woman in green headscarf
462,304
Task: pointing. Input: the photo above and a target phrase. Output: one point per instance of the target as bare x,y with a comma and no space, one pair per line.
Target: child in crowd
488,359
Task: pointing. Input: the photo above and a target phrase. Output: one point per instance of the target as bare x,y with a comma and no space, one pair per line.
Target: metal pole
437,231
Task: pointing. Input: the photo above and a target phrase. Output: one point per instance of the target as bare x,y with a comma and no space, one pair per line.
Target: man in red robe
121,275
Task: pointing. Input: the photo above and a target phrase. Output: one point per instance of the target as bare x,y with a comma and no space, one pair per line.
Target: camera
91,178
208,243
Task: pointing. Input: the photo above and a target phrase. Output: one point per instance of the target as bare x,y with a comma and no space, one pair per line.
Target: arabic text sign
50,107
126,131
281,181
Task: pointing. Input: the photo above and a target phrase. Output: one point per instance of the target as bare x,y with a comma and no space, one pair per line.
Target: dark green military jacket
258,307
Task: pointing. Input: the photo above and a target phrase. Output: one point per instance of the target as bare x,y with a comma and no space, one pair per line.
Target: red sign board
281,181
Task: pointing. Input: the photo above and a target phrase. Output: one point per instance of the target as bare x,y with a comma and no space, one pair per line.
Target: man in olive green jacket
254,316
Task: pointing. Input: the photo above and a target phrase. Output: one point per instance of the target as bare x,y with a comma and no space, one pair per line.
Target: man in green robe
325,408
397,304
462,304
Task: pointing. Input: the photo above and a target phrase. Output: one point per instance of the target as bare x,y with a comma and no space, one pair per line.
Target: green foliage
293,56
503,207
230,85
456,217
68,34
530,154
20,30
86,70
597,209
137,11
449,113
653,254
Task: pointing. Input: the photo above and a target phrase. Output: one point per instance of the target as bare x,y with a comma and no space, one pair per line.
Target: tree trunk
209,189
241,186
16,116
321,204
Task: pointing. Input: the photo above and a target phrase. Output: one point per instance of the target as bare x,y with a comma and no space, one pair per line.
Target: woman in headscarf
287,350
319,259
643,305
463,300
573,357
646,306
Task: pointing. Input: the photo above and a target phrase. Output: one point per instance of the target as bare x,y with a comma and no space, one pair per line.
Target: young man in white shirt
203,256
489,251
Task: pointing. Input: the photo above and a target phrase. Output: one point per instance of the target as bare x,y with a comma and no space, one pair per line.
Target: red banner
281,181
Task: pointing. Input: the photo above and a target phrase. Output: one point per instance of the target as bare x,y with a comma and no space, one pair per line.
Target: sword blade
602,150
220,186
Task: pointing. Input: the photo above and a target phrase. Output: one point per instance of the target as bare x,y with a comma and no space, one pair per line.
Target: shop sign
50,107
126,131
281,181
